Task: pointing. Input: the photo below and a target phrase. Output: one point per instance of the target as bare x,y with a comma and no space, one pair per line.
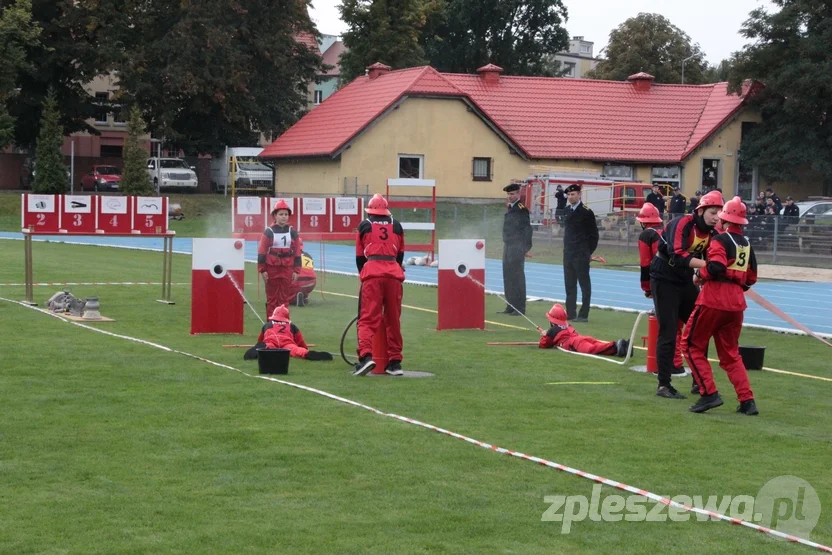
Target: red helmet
734,211
281,205
377,206
280,314
714,198
649,214
557,315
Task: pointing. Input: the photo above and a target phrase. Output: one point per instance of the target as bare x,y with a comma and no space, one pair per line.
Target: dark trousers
514,277
576,270
674,304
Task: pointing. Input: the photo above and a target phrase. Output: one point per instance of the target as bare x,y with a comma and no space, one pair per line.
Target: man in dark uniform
656,199
580,239
678,203
517,241
694,202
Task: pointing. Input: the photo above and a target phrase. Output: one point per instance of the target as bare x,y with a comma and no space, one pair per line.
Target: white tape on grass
501,450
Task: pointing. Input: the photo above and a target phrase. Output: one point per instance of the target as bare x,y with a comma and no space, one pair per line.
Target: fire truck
603,195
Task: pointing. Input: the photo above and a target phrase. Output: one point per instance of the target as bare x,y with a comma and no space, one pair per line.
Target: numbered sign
293,203
347,214
115,214
314,215
150,215
39,213
248,215
78,213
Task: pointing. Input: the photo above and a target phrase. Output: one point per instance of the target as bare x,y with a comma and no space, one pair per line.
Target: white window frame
106,119
421,158
572,66
585,49
318,96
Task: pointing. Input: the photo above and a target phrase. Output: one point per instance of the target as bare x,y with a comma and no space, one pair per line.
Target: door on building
710,174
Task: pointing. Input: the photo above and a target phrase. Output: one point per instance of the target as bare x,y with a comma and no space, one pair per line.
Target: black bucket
752,357
273,361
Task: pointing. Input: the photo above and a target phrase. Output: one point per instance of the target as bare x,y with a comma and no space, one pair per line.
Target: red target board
314,215
115,215
40,213
150,215
347,213
78,213
248,215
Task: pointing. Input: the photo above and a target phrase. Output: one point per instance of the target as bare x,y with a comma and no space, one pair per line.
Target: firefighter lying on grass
561,334
280,333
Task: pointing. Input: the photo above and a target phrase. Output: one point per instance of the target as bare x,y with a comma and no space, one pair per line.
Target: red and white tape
484,445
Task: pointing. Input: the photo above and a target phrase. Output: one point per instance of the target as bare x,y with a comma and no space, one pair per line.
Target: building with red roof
475,133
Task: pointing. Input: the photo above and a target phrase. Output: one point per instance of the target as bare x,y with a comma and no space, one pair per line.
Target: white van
239,171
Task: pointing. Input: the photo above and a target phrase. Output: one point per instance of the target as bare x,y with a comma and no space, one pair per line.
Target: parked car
172,173
101,178
813,209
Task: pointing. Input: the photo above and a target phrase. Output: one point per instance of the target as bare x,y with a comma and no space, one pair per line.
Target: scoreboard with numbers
94,215
314,218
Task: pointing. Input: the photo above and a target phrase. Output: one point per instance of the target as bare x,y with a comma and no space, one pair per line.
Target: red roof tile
546,118
309,41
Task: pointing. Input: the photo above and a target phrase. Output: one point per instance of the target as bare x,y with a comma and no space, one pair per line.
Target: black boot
707,402
394,368
622,345
694,389
748,408
669,392
318,355
365,366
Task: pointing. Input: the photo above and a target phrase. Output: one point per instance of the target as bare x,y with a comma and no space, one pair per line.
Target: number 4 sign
115,215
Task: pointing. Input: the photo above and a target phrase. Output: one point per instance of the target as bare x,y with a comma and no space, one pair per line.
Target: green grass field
109,446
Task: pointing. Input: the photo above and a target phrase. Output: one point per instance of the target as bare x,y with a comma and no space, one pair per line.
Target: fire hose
343,338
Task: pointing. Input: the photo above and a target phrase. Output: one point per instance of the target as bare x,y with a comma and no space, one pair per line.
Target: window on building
411,166
482,169
618,171
666,177
118,116
102,101
319,96
112,151
710,174
585,49
569,69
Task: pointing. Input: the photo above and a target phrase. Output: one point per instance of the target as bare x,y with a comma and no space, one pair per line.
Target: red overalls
731,270
379,252
286,335
278,254
568,338
648,245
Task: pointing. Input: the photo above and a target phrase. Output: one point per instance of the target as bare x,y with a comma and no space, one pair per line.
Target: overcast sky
714,24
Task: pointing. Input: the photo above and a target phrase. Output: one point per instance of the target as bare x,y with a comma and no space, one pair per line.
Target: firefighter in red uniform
561,334
648,244
379,253
731,270
278,258
306,280
671,280
281,333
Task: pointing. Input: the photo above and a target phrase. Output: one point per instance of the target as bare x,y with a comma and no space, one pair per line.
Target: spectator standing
694,202
791,214
580,239
517,241
656,199
678,202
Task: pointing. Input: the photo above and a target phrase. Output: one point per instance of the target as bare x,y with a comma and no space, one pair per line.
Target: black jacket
694,202
657,201
580,233
791,214
678,203
517,229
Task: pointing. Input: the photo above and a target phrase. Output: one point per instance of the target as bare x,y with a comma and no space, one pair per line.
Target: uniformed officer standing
580,239
517,241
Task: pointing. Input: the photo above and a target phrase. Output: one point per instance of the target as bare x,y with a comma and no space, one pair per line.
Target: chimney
490,74
377,70
641,81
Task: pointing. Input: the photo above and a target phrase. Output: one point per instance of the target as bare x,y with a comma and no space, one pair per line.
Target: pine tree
134,178
50,172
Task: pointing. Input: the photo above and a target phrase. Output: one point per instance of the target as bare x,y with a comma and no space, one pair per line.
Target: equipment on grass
66,302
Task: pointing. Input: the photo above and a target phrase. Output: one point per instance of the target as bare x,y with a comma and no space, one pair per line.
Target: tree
135,179
50,172
67,55
718,73
17,32
789,55
387,31
521,36
212,73
650,43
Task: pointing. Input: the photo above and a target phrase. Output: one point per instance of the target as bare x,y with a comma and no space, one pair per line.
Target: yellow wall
723,146
310,177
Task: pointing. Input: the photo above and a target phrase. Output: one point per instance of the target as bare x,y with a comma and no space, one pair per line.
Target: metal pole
164,266
170,269
72,166
628,231
776,230
27,267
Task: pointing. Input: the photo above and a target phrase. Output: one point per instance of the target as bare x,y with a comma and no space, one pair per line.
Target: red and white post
216,304
461,284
